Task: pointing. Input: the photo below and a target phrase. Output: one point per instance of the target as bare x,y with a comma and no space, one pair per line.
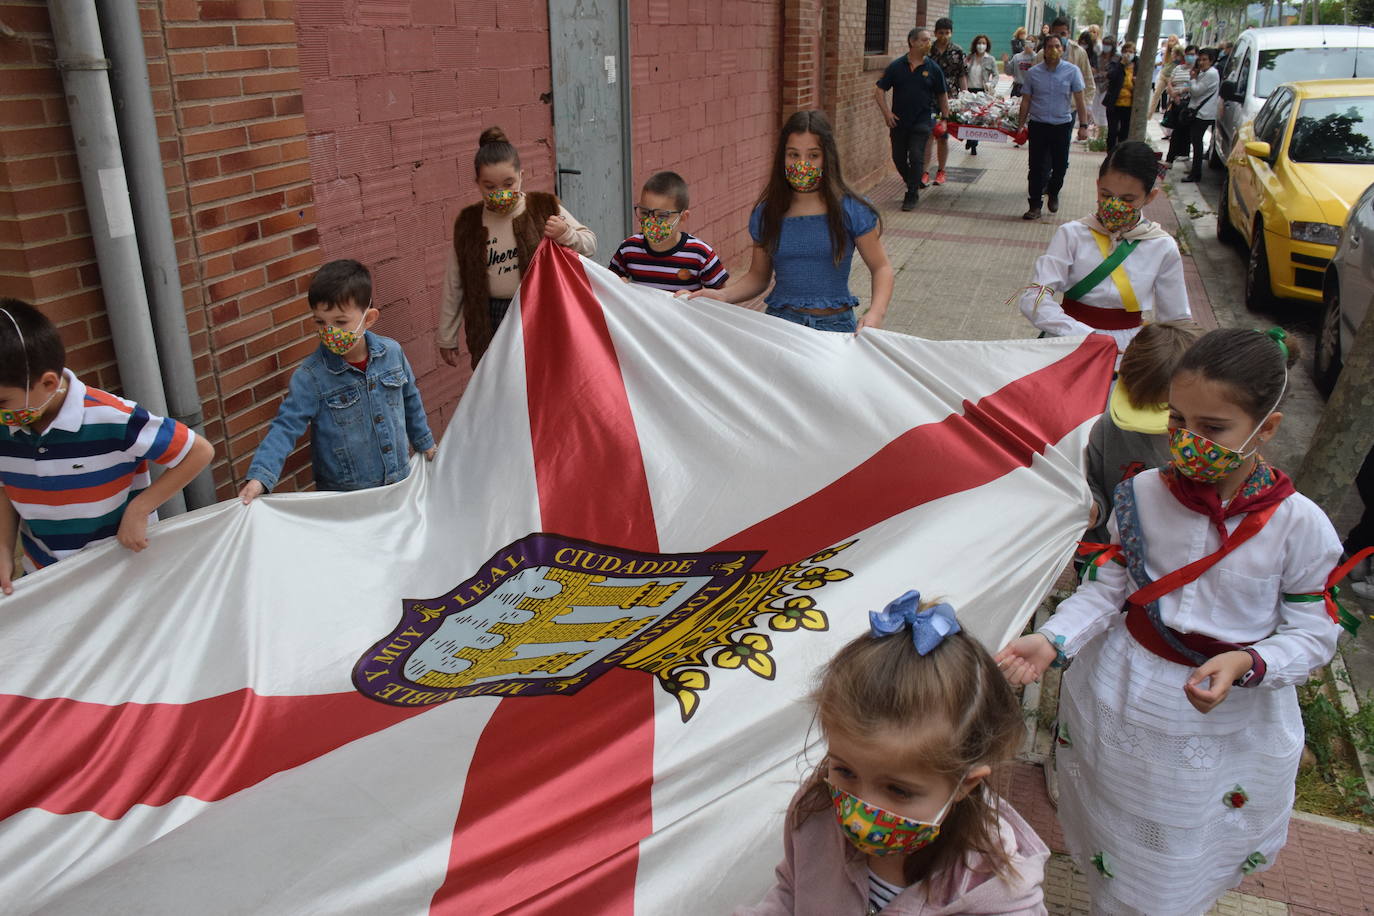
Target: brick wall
396,95
226,93
849,77
705,103
46,254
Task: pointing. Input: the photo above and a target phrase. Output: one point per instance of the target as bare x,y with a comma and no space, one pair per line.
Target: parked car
1170,23
1265,58
1290,180
1347,291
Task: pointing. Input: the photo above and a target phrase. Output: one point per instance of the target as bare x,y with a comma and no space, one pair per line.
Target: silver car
1265,58
1347,290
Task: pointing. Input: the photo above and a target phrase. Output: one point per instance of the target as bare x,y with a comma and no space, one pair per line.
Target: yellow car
1290,180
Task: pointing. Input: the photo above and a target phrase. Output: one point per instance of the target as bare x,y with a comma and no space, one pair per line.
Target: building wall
396,94
226,93
705,103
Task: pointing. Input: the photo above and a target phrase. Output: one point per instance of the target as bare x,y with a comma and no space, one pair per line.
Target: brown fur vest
470,244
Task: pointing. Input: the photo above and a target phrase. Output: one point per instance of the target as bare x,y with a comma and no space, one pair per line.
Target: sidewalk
957,258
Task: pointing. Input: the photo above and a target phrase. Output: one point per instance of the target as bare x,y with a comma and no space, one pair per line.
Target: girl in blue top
805,228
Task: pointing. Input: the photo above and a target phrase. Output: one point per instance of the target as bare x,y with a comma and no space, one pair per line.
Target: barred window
875,27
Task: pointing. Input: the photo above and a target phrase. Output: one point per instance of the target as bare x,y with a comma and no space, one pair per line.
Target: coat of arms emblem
549,614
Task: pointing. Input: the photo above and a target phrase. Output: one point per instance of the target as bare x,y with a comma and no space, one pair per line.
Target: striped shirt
880,892
71,483
688,265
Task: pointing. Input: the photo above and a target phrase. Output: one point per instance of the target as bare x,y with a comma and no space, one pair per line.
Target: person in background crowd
950,57
1017,66
1203,103
1097,105
1018,40
1171,89
918,91
1075,55
1119,93
1051,93
980,70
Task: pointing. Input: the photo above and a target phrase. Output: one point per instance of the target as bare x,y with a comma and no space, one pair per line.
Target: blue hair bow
928,628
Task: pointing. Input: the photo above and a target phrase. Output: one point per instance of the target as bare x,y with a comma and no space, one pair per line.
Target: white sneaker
1364,589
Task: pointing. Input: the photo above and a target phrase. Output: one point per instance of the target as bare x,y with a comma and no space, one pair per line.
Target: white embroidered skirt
1161,805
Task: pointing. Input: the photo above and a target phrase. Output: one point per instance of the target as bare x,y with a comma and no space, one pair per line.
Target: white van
1170,23
1264,58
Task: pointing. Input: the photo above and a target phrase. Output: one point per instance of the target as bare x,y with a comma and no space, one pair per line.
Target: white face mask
980,48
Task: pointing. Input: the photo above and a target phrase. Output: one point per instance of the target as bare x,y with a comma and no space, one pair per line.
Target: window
875,27
1289,65
1334,130
1271,131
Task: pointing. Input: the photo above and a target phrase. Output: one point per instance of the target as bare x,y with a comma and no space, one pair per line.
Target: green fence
996,20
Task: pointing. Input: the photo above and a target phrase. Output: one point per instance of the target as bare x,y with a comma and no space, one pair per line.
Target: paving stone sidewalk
957,258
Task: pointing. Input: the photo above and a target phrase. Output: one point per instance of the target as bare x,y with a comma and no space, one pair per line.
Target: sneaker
1053,203
925,180
973,151
1191,177
909,201
1031,213
1364,589
940,177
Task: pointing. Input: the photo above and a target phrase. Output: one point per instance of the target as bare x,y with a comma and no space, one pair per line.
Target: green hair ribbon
1278,336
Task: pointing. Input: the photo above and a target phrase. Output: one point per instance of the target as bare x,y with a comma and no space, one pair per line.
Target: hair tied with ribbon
1278,336
929,627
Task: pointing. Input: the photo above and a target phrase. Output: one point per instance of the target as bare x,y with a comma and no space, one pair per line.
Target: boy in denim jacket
356,392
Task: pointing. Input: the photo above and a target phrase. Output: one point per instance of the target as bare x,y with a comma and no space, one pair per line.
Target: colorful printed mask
1116,215
875,831
1205,461
502,200
340,340
802,175
657,230
26,415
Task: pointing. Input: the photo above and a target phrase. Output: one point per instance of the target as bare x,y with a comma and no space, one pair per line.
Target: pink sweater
822,874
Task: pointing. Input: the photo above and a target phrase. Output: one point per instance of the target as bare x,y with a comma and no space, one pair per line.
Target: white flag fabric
560,670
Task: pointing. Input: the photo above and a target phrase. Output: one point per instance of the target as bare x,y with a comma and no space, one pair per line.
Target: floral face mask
657,229
501,201
802,175
1116,215
340,340
1205,461
876,831
26,415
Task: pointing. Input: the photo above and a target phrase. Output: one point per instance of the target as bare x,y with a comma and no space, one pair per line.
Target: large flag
561,670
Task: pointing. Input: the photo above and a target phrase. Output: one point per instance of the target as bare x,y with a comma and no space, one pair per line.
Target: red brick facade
294,131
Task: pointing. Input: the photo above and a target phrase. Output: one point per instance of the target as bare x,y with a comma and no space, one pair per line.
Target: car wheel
1259,295
1226,230
1326,364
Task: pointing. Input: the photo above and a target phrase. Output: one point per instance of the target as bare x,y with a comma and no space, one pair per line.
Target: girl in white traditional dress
1179,730
1113,266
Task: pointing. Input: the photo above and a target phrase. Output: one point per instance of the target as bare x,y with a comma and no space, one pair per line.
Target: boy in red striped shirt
661,254
74,459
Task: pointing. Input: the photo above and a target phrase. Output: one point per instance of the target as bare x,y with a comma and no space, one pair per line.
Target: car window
1289,65
1266,114
1243,76
1334,130
1278,119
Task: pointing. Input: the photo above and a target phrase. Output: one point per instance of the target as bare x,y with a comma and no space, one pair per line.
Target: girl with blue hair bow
898,817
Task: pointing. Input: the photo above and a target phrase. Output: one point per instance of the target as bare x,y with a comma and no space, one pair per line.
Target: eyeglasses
655,214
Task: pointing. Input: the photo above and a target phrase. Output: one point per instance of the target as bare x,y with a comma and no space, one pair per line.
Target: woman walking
980,69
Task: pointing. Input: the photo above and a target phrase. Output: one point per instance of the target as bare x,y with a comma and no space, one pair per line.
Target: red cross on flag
562,669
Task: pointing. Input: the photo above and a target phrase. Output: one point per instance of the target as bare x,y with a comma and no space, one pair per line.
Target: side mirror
1257,148
1230,93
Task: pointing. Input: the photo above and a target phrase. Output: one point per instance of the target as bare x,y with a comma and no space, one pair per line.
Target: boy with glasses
661,254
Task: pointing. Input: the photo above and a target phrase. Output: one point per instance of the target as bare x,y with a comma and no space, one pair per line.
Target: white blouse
1240,599
1155,270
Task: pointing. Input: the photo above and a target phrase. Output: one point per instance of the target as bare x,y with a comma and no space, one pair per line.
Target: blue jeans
839,320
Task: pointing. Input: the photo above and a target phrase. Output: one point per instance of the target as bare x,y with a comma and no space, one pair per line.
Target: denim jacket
360,421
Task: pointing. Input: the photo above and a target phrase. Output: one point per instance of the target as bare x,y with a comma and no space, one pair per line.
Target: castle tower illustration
578,590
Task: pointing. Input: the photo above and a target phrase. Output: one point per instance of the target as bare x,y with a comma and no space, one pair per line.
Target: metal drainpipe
81,61
142,155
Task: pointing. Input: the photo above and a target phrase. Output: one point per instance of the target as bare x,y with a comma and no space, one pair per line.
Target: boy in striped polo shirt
661,254
74,459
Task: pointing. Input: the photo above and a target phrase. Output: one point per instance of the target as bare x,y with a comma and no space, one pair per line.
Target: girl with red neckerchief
1179,730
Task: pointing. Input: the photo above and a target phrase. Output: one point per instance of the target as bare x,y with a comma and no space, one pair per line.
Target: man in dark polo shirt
918,88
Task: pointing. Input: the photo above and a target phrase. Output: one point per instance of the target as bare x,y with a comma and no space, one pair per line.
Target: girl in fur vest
493,241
